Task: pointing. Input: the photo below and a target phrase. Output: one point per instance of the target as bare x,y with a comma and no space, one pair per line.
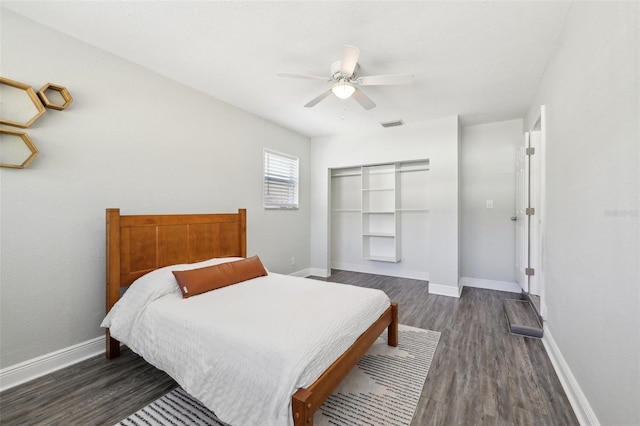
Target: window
280,181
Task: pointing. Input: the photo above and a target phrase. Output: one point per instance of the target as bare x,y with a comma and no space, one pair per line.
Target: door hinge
530,211
530,151
529,271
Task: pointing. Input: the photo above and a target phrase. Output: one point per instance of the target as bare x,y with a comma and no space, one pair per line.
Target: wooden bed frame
139,244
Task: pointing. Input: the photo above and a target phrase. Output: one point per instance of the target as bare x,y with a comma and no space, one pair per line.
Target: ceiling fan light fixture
343,90
345,75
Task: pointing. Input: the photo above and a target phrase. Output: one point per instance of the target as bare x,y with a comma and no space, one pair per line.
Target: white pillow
156,284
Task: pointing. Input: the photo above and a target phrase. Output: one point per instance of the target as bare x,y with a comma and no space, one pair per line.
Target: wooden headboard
139,244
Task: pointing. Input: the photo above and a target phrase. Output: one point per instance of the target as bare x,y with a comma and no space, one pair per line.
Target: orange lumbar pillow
201,280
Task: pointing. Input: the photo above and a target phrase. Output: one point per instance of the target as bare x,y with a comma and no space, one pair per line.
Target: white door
530,184
521,218
534,220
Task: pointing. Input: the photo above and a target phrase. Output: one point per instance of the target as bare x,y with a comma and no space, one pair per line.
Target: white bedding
243,350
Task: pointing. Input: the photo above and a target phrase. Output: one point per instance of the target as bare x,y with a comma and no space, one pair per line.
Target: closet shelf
383,259
417,169
337,175
379,212
379,234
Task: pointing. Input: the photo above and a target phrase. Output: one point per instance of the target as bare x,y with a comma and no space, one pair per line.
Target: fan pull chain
344,109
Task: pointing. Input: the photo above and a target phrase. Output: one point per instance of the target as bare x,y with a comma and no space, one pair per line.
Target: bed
139,246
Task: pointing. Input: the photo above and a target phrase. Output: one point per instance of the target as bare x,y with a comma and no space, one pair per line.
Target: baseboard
355,267
579,402
302,273
317,272
32,369
491,284
445,290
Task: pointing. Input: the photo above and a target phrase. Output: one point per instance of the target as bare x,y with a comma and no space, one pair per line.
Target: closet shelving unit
380,224
386,192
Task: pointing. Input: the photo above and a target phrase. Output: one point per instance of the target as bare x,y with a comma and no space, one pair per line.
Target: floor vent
522,319
392,123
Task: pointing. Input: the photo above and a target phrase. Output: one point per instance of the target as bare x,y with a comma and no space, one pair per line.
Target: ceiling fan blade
303,76
383,80
363,100
349,61
318,98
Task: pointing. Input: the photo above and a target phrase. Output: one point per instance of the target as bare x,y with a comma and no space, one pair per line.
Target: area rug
382,390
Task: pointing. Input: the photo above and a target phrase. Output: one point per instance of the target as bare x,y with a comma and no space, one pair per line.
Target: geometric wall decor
17,149
20,104
55,96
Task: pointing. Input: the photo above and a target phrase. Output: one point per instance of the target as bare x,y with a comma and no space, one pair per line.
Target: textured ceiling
481,60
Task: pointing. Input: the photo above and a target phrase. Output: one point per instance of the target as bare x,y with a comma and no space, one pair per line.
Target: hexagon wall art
20,106
55,96
16,149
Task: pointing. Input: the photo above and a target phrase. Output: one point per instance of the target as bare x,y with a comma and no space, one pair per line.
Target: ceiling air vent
393,123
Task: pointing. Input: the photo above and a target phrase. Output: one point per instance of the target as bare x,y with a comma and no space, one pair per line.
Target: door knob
514,218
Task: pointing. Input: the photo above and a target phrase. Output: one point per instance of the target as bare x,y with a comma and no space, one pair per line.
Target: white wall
436,140
591,253
133,140
488,173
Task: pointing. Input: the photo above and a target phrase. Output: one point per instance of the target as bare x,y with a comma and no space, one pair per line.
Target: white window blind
280,181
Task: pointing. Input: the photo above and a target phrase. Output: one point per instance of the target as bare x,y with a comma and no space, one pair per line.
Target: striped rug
383,390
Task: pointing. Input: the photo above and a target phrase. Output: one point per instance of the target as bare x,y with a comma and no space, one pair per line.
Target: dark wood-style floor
480,374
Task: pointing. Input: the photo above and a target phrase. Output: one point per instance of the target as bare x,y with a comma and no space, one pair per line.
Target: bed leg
113,346
301,408
392,337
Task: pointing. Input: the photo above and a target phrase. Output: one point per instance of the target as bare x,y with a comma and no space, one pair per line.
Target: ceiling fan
345,78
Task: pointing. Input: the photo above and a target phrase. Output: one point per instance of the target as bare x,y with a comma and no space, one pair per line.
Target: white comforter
243,350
